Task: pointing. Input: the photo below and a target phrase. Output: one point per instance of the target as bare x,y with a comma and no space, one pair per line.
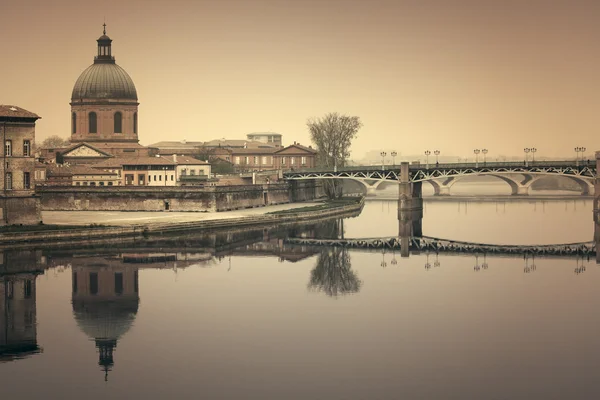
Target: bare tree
53,142
333,273
332,136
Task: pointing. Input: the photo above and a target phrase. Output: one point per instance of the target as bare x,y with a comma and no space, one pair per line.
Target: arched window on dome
134,122
118,122
74,123
93,122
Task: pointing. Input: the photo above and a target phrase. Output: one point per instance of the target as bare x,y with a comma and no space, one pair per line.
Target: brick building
18,202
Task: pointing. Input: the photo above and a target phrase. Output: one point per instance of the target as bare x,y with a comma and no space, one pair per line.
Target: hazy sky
452,75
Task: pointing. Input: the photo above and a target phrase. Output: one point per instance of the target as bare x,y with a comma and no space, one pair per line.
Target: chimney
175,158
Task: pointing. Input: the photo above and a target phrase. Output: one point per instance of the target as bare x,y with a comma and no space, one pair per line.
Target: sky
447,75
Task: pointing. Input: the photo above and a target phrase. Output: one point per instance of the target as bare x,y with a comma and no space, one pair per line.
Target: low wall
135,198
112,234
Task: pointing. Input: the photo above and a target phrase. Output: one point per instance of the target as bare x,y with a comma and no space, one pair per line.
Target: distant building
79,175
190,171
18,203
264,159
266,137
141,171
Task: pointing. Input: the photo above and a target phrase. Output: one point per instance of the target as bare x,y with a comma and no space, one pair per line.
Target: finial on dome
104,30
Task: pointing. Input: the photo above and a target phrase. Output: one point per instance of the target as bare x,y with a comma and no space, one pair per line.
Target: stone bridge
518,175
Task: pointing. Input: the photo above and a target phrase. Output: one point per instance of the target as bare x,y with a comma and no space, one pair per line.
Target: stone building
105,302
104,111
141,171
266,137
18,202
79,175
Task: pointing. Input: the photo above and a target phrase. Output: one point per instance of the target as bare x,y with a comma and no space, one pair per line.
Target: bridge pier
521,191
410,209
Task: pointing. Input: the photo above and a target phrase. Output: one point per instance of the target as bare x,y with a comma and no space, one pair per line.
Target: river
244,315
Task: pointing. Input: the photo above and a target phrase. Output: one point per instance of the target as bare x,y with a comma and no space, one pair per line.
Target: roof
298,146
258,151
118,145
118,162
237,143
189,161
263,134
94,147
183,144
69,170
8,111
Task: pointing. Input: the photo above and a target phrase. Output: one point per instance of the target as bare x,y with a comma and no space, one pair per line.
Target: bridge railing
446,166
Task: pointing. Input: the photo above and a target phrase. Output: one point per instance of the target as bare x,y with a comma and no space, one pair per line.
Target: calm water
244,315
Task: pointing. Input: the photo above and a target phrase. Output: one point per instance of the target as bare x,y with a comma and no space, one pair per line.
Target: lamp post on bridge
484,151
427,153
476,151
393,154
533,150
383,154
437,153
526,151
577,151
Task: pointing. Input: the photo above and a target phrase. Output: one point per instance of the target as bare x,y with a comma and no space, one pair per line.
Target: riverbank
123,224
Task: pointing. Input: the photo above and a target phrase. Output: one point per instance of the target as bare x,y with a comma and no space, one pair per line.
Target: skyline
523,72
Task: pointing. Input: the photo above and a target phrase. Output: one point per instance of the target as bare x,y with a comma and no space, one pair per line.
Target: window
265,160
93,122
101,183
73,123
8,184
118,282
27,289
183,172
27,148
192,172
255,160
160,178
246,160
110,183
93,283
282,160
118,122
292,160
134,122
26,180
172,177
237,160
303,160
8,148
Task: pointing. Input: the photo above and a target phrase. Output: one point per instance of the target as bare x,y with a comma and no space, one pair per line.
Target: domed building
104,111
105,303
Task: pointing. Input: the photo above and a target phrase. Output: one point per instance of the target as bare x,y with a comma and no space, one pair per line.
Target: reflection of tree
333,273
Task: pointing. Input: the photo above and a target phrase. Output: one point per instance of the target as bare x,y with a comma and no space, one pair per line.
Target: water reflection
18,327
105,302
333,273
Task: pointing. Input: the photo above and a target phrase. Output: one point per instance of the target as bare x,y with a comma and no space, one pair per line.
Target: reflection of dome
104,81
105,319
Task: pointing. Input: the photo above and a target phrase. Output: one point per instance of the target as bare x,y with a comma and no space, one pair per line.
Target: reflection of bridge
518,175
436,245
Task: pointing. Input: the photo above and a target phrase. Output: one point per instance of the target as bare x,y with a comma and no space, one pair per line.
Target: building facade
18,202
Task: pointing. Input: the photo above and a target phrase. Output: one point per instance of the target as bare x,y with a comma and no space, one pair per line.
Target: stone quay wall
135,198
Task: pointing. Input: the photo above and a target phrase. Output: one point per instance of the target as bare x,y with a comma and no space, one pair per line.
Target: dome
105,319
104,81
